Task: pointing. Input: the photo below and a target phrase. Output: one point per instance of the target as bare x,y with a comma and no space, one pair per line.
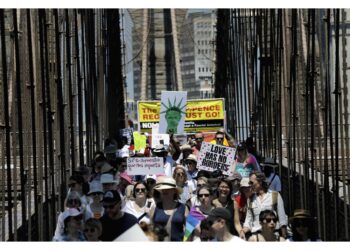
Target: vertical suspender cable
20,123
70,91
32,99
336,123
44,106
80,97
60,107
7,122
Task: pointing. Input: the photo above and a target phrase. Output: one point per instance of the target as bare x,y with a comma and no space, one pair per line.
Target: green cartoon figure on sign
173,115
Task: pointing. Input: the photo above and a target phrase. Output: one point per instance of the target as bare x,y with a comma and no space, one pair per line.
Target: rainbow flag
192,220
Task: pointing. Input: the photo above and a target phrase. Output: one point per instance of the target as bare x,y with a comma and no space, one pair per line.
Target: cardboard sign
172,112
155,129
158,139
145,165
216,157
207,115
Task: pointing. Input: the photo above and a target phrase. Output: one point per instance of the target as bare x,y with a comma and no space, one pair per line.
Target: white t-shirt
130,208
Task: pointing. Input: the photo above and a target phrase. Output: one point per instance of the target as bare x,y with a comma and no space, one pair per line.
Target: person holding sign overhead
245,163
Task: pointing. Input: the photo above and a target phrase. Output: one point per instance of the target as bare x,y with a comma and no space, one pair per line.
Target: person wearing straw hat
95,208
303,226
169,212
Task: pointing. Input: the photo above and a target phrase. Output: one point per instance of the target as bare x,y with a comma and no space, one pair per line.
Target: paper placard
139,141
216,157
172,112
158,139
145,165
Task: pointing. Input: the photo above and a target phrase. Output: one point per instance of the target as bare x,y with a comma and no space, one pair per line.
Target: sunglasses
219,138
138,190
203,195
180,174
268,220
199,139
91,230
151,181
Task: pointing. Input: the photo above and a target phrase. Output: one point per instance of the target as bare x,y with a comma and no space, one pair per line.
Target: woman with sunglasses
72,231
95,208
268,220
205,196
303,226
141,205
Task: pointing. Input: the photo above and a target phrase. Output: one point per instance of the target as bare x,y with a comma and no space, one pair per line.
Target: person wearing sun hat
303,226
169,212
94,209
72,219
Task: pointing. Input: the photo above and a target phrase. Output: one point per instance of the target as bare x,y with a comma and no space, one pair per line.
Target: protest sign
155,129
201,115
127,132
158,139
172,112
139,141
145,165
216,157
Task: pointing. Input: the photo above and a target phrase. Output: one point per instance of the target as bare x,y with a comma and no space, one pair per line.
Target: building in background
154,50
198,53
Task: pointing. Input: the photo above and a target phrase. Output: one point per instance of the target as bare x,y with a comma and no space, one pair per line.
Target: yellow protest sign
139,141
201,115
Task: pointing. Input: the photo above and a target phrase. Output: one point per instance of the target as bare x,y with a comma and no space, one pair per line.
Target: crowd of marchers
105,203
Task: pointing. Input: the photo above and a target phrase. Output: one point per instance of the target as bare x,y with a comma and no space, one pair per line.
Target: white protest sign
158,139
216,157
155,129
145,165
172,112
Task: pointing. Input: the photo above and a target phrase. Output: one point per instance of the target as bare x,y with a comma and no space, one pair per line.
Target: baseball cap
111,196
